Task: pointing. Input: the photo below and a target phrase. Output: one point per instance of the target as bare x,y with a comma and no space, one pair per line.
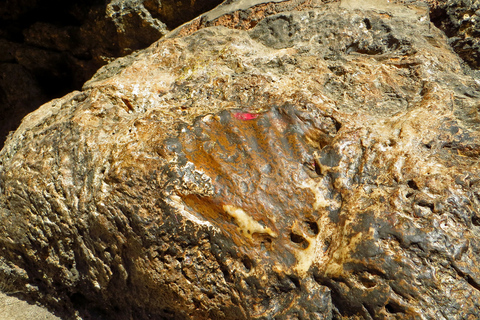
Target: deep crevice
295,280
368,25
472,282
476,220
423,203
226,274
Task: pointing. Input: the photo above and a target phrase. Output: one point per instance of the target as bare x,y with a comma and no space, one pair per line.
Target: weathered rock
460,20
311,161
55,46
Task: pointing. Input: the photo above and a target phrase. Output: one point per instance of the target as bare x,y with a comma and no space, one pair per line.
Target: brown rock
311,161
56,46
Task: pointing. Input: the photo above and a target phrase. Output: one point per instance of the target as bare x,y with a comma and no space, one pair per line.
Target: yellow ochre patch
246,224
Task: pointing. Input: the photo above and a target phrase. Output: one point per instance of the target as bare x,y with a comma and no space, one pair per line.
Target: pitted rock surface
318,162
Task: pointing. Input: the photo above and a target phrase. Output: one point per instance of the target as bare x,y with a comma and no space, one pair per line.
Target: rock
460,20
56,46
310,160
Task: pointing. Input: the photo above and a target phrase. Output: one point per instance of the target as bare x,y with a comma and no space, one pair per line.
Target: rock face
269,160
51,47
461,22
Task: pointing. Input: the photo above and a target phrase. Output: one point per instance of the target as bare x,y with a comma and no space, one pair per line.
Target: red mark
245,116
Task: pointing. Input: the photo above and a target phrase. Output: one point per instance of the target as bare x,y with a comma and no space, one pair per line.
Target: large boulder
51,47
269,160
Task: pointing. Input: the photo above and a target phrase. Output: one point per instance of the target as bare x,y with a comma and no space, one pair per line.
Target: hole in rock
247,263
318,170
476,220
339,71
338,125
312,227
295,280
411,184
394,43
298,239
197,303
312,169
368,25
391,143
393,308
226,274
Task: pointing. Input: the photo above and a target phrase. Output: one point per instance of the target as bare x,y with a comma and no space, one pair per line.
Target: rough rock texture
269,160
460,20
51,47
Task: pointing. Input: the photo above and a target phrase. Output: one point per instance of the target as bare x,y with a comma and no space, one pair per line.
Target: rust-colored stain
259,166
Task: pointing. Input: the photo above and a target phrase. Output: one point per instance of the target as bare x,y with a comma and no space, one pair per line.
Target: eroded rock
52,47
460,20
319,162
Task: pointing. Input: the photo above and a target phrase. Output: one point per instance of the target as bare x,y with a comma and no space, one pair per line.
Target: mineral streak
287,160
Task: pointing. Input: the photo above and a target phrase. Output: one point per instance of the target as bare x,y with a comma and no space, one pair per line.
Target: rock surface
269,160
460,20
51,47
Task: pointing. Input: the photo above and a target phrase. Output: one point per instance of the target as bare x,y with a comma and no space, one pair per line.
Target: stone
460,20
268,160
55,46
